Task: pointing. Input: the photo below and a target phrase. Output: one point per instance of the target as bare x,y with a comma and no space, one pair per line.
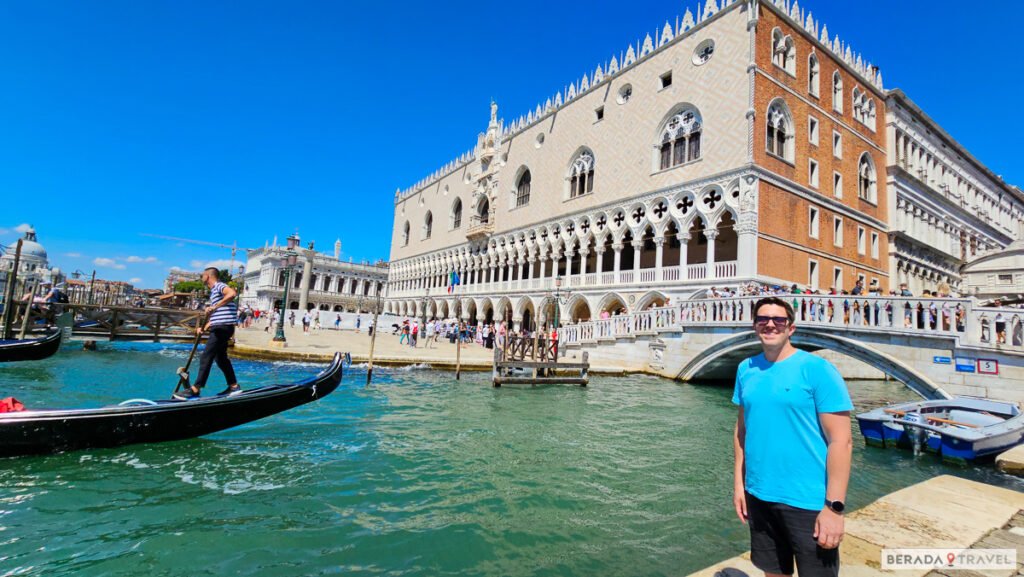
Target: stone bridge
927,344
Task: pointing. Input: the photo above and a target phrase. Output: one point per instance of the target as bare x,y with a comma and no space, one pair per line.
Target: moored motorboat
30,349
41,431
959,429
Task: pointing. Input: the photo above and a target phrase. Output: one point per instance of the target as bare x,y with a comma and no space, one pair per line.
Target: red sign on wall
988,367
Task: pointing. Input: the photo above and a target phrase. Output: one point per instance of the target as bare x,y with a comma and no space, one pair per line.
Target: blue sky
238,121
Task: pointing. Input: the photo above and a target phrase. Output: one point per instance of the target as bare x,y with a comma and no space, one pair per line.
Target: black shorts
779,533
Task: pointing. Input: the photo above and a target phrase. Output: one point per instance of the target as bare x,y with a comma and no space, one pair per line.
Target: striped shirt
225,315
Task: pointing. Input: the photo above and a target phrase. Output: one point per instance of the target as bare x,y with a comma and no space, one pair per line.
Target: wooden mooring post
533,361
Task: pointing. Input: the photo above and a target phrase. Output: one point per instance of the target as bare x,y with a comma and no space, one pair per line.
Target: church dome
30,248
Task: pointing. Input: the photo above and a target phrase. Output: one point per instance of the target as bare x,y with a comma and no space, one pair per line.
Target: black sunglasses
762,321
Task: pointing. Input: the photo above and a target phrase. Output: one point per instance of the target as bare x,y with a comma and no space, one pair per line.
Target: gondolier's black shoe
185,395
230,391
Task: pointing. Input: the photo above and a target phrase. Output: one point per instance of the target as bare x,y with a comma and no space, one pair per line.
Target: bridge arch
719,361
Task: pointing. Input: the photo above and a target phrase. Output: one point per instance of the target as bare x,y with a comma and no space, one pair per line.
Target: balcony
479,228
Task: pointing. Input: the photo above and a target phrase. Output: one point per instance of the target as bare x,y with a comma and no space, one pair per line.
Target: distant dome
30,248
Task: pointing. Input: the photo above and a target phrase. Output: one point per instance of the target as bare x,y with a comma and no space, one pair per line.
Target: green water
415,475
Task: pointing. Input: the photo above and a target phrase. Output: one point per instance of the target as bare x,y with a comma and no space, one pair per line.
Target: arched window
866,182
681,138
783,51
779,130
813,75
856,102
483,211
405,234
581,174
778,48
456,213
523,189
428,224
837,92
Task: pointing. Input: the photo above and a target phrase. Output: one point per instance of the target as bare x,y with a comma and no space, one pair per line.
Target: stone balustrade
960,319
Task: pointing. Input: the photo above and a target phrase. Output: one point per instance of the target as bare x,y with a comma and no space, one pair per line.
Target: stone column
617,247
711,234
599,251
307,271
638,246
533,264
659,251
584,253
684,242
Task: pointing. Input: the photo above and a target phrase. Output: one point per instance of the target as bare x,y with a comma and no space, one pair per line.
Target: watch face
838,506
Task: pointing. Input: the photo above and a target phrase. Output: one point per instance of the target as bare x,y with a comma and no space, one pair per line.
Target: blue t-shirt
785,448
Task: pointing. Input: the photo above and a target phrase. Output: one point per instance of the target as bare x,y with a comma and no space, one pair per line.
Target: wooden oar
182,372
934,419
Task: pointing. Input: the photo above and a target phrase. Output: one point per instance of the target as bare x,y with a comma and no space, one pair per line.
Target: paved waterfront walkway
943,512
321,346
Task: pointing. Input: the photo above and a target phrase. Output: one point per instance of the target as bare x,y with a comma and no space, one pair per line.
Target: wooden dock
534,361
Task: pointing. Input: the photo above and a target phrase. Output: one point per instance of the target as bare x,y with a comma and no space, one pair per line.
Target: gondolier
222,314
793,448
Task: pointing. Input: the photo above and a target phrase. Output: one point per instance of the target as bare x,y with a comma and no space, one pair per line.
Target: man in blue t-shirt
793,450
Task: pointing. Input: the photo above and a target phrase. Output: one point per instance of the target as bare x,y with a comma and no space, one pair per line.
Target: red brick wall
782,213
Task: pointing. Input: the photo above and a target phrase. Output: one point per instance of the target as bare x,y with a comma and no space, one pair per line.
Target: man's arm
739,497
829,527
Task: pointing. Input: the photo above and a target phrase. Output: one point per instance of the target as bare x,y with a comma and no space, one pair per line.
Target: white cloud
221,263
73,254
149,259
196,264
23,228
108,262
135,280
176,269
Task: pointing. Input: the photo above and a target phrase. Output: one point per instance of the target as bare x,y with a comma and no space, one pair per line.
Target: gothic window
856,103
866,179
405,234
779,131
813,75
428,224
837,92
523,189
778,49
484,211
783,51
581,174
705,50
681,139
457,213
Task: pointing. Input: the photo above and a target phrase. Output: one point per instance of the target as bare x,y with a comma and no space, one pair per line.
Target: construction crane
233,246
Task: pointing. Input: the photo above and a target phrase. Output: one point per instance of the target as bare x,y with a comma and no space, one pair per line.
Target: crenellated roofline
662,38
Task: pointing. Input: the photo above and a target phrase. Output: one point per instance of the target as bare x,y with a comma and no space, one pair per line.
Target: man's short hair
212,271
778,302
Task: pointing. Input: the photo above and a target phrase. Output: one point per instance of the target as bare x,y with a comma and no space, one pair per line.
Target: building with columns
946,206
319,281
742,143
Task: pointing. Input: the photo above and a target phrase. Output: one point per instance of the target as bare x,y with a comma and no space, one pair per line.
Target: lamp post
424,302
373,327
560,297
288,261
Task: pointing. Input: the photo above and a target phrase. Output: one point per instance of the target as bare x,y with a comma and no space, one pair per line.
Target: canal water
417,474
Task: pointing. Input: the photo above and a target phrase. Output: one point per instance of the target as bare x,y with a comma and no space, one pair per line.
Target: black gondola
35,432
30,349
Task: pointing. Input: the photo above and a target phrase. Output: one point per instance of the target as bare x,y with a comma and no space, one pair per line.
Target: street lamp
560,297
425,302
288,261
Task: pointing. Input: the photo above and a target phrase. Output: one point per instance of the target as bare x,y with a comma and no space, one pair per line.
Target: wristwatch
836,506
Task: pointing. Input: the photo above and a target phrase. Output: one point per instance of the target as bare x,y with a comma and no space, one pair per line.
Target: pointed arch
813,74
779,130
581,173
649,300
612,303
455,216
837,92
867,188
680,137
